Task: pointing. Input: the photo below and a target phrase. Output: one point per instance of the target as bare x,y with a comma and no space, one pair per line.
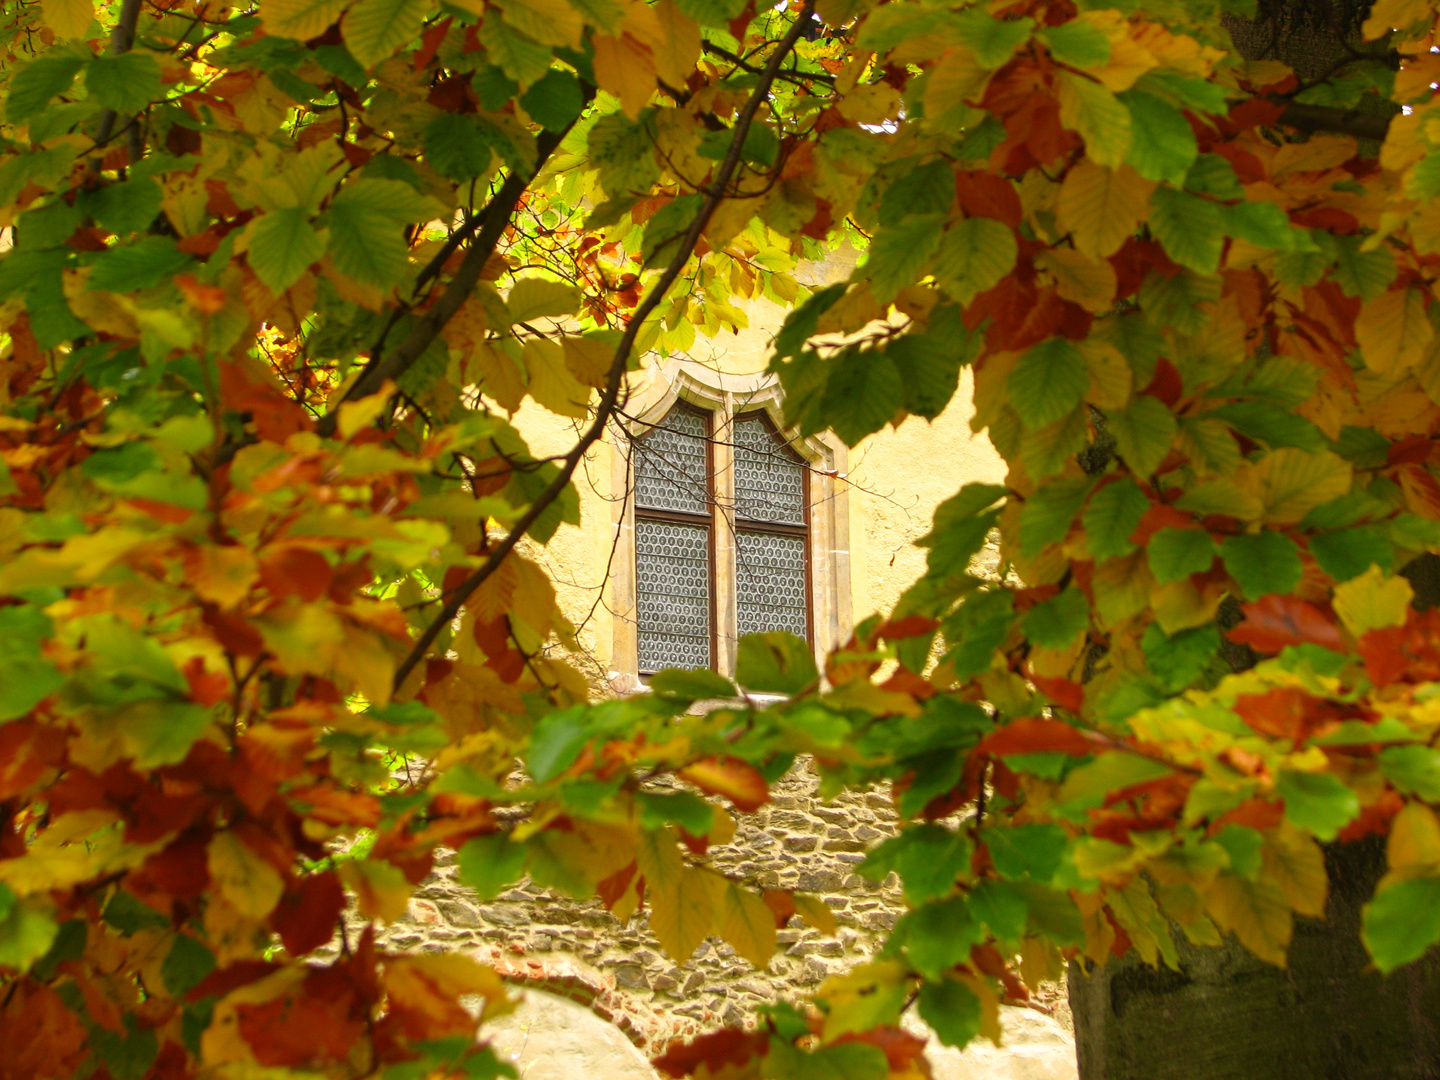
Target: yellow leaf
534,597
1256,912
1387,15
551,383
1099,116
434,983
873,103
68,18
1413,847
356,416
1111,377
682,900
539,298
303,637
381,890
300,19
1079,278
679,46
956,78
1295,862
497,375
1182,605
1373,601
1393,331
866,997
550,22
588,359
814,911
1102,208
1135,910
626,68
367,663
248,883
1128,58
223,575
747,924
1122,587
1292,482
989,1006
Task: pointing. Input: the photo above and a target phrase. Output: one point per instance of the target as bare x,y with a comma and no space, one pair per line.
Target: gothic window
678,530
674,543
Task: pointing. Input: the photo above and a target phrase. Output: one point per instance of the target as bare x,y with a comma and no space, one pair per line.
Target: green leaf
1026,851
973,256
1245,846
928,858
521,57
1048,450
686,809
1048,382
1174,554
488,864
366,222
26,930
692,685
929,363
952,1010
186,965
1262,563
900,254
714,13
556,742
1078,43
1057,622
1192,230
992,40
1402,922
142,265
129,915
25,681
777,663
127,1056
841,1061
37,82
800,324
1317,802
1350,552
1261,223
1113,514
979,628
1048,514
126,83
123,208
1213,175
863,393
555,101
1002,908
938,936
1414,770
1144,431
1365,274
1178,661
1162,145
457,147
283,245
1272,425
374,29
926,189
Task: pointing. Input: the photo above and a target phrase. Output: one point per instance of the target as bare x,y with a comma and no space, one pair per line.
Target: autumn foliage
277,280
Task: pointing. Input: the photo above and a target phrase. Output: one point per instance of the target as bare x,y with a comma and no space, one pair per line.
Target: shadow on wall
550,1038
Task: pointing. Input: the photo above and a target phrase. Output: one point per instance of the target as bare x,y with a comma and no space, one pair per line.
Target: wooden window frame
680,517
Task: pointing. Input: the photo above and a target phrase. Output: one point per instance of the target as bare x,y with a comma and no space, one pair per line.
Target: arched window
675,543
772,531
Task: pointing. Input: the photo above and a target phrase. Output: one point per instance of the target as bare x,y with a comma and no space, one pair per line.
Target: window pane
672,575
769,481
770,583
670,465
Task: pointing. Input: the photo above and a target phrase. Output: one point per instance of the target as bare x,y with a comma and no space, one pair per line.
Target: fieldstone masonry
579,952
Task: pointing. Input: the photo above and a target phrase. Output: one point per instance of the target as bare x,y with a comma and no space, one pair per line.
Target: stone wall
584,956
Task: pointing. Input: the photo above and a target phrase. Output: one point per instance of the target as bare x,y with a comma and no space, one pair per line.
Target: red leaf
1275,621
1166,385
738,781
306,915
1158,517
296,571
908,627
781,905
728,1046
900,1047
1068,695
1032,735
983,194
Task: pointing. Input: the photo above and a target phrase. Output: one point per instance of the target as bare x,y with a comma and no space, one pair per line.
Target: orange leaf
738,781
1032,735
1275,621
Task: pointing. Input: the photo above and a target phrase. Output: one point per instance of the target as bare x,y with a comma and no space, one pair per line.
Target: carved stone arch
681,380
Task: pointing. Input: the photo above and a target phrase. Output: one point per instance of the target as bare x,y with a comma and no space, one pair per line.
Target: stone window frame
725,396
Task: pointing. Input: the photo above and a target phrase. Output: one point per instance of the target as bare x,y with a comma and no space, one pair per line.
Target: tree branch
1312,118
121,39
715,194
493,219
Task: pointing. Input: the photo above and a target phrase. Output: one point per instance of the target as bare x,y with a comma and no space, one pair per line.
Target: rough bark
1228,1016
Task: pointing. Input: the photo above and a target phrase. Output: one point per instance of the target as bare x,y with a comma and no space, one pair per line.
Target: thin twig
611,395
121,39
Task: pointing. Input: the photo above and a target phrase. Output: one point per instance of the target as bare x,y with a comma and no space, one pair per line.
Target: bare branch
121,39
1312,118
715,194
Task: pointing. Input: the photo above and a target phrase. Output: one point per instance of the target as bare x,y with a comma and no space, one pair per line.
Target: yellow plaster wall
896,479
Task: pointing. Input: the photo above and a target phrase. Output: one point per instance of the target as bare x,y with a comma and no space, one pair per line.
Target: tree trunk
1228,1016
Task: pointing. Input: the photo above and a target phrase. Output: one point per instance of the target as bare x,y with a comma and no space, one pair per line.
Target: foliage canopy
279,278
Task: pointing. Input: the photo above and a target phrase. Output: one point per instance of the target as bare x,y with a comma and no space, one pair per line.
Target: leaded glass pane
672,574
770,583
670,465
769,482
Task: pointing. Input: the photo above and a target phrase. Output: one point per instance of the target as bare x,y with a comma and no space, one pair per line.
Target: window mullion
722,481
